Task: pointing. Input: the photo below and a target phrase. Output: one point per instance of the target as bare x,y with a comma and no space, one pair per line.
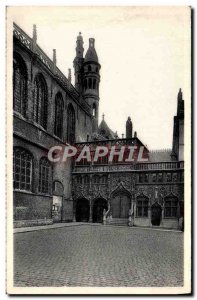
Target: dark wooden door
120,206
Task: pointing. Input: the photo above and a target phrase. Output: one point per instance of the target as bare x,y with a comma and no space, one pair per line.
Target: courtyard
97,255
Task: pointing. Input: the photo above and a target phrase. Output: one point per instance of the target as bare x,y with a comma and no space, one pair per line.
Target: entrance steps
117,222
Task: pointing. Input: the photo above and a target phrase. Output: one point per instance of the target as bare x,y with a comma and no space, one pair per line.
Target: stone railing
22,37
129,167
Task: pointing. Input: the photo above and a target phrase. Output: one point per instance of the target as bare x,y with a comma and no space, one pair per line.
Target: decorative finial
135,134
34,33
103,116
180,94
122,135
69,76
54,56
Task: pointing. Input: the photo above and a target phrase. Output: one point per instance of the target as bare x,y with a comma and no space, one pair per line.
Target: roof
91,54
163,155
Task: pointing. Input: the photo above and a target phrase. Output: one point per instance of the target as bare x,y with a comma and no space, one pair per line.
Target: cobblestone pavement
98,256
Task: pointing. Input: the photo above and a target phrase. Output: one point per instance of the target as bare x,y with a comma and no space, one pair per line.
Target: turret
91,79
78,63
129,128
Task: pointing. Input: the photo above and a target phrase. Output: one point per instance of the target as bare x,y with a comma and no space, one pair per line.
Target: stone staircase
117,222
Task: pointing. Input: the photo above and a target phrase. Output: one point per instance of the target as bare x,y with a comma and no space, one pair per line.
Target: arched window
142,206
90,83
19,85
22,169
170,207
58,115
95,179
71,124
40,101
94,84
44,173
86,179
104,179
89,68
94,110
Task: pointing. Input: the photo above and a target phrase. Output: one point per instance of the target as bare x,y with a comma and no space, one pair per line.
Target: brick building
48,110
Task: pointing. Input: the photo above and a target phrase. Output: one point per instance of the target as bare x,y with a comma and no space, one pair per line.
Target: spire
103,116
79,47
91,54
129,128
34,39
180,95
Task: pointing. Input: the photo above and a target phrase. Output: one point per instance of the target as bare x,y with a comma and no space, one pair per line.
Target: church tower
129,128
91,79
78,63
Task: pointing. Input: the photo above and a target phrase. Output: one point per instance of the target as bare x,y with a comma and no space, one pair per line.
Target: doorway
82,210
156,214
120,206
98,207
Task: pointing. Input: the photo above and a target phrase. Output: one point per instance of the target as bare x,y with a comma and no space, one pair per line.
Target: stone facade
48,111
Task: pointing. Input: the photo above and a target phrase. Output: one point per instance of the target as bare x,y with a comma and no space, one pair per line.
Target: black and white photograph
99,150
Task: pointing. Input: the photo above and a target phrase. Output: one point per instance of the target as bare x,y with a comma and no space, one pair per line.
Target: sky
144,54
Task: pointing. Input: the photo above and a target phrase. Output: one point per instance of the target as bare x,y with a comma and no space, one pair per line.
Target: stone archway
82,210
156,214
121,203
99,205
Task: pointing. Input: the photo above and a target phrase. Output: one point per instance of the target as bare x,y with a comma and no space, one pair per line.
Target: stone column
90,218
74,211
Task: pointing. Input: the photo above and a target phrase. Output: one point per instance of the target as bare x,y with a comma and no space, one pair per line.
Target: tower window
94,84
90,83
89,68
97,69
94,110
85,84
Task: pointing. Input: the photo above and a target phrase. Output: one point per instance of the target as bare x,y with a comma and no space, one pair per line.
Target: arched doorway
121,205
98,207
156,214
82,210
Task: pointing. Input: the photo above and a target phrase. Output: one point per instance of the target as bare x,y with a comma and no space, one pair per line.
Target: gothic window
146,177
44,175
90,83
154,177
85,84
169,177
94,110
22,169
71,124
96,179
79,179
170,207
40,101
86,179
104,179
97,69
141,178
94,84
160,177
142,207
58,115
19,86
89,68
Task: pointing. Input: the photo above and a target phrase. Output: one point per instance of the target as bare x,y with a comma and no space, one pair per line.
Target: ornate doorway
82,210
121,205
98,207
156,211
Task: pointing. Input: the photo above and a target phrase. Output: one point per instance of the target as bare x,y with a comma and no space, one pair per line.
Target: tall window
71,124
170,208
58,115
22,169
19,85
44,173
40,101
142,207
94,110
